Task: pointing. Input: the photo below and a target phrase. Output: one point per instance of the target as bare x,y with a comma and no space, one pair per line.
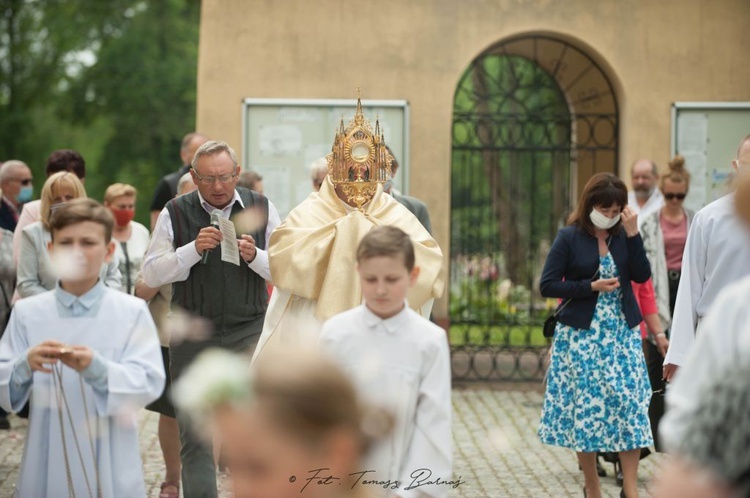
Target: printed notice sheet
230,250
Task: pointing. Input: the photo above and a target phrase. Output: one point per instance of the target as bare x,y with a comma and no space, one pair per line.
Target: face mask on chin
602,222
25,194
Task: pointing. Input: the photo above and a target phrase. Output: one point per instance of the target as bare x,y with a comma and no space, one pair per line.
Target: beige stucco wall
656,52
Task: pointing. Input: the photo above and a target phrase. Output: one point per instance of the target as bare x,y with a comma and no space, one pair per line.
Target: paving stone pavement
496,451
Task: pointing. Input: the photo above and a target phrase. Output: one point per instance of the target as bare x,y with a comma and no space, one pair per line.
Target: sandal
174,492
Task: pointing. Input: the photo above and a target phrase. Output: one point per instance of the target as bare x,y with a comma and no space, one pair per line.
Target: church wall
655,53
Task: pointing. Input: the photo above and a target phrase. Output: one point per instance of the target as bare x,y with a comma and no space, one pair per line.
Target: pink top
646,299
675,235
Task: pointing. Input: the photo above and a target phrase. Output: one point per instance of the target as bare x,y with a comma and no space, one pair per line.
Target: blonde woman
36,272
131,238
664,236
665,233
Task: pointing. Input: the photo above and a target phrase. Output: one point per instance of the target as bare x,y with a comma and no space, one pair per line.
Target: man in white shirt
724,346
232,298
716,363
644,198
715,256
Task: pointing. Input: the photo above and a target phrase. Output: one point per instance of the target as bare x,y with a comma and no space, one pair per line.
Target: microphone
215,215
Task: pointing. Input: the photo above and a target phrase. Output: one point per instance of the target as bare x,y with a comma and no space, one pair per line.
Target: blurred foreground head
294,412
742,165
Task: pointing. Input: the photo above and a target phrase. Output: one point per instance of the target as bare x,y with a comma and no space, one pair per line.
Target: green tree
112,79
41,48
143,84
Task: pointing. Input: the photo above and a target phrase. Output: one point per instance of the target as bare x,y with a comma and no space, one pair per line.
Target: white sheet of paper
230,251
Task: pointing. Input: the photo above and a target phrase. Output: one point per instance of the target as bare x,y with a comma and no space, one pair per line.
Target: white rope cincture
57,373
57,379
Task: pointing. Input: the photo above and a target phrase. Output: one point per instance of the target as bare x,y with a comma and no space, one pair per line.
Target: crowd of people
304,348
180,290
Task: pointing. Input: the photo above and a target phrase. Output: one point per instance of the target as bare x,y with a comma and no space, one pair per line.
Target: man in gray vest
184,251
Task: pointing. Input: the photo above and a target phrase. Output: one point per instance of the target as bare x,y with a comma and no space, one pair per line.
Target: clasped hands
210,237
45,354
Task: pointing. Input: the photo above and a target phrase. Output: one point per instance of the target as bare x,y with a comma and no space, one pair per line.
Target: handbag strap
567,301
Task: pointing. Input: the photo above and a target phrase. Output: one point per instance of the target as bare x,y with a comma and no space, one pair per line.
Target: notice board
707,135
282,137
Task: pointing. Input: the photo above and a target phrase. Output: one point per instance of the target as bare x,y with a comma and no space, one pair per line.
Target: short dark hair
248,179
79,211
386,241
602,189
66,160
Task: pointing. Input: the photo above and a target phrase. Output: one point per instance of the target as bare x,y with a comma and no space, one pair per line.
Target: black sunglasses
671,196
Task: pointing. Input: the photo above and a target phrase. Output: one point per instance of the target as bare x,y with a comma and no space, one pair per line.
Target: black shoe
4,423
599,468
618,475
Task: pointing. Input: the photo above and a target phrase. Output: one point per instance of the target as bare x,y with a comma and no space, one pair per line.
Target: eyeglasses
209,180
25,181
679,197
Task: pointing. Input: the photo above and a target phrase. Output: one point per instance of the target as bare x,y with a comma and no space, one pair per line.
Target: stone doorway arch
534,117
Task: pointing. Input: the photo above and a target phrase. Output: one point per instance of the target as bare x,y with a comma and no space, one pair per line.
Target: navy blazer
7,216
571,263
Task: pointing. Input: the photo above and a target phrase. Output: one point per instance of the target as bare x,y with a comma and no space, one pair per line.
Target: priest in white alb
722,345
716,255
312,253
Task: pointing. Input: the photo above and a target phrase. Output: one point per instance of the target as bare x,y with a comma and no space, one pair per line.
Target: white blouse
130,255
401,364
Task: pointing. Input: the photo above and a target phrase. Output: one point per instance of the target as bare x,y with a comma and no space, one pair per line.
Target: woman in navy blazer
597,387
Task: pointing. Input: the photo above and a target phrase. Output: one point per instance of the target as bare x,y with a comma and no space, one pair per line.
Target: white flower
215,378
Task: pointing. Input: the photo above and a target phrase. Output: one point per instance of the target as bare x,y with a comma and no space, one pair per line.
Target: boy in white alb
89,358
398,361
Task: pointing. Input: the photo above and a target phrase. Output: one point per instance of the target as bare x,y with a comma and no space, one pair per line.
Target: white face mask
602,222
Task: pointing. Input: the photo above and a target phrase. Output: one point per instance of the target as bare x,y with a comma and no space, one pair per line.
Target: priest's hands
47,353
629,221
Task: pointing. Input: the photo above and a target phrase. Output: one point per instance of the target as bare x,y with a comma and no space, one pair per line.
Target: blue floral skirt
598,390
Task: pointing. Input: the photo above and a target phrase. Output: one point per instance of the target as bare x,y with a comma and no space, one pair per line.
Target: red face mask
123,216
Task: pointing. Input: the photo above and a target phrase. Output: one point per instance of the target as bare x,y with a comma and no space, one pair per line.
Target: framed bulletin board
707,135
282,137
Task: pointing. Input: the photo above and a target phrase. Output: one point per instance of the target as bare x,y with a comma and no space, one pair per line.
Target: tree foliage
113,79
511,157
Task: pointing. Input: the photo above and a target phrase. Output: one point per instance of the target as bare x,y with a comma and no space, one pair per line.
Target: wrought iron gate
519,137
